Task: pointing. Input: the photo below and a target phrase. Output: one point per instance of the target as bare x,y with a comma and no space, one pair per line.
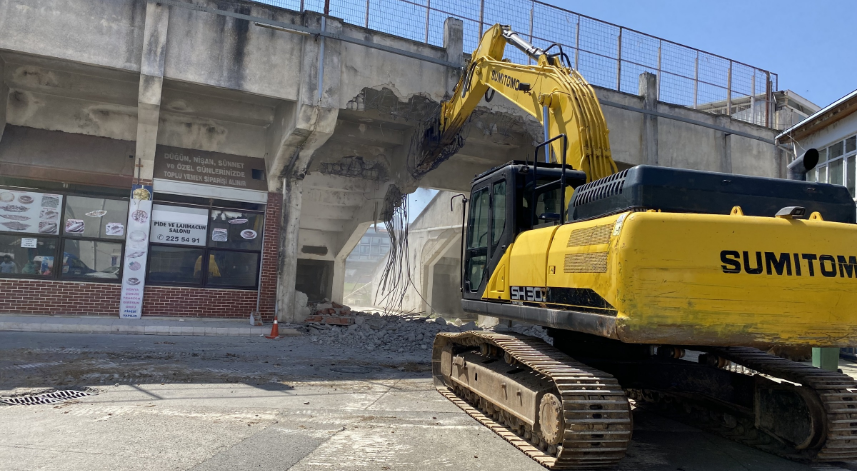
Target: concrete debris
392,333
301,308
379,332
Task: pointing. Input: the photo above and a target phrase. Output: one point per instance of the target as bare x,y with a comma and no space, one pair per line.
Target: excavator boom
556,95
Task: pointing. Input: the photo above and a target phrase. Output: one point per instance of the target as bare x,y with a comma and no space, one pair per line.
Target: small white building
833,131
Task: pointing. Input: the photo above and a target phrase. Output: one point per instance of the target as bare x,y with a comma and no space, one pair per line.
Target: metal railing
607,55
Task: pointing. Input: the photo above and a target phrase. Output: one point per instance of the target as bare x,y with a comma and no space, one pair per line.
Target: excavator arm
548,90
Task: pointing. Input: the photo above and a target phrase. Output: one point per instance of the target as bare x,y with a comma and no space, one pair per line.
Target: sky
810,44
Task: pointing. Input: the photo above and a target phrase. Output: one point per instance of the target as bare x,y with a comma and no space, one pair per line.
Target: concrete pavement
143,326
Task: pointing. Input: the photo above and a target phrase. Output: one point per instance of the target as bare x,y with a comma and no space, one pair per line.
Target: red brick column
270,258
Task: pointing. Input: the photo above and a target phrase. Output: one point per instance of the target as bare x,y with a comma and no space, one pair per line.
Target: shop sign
210,168
30,213
28,243
136,251
179,225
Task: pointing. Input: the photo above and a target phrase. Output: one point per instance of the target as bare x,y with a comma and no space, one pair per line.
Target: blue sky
810,43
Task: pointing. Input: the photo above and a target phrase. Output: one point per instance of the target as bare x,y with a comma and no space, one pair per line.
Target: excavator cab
505,201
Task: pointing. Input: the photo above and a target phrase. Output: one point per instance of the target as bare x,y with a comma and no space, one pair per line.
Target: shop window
236,229
206,247
92,259
22,255
233,269
97,218
175,265
47,235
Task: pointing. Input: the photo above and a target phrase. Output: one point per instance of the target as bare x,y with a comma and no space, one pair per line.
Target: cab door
487,235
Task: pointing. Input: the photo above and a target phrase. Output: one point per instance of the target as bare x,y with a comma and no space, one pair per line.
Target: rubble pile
336,325
331,313
391,333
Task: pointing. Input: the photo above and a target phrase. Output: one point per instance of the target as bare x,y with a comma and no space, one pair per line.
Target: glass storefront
213,247
56,236
82,238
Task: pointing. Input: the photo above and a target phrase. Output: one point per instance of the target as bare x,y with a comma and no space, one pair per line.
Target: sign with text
179,225
136,252
210,168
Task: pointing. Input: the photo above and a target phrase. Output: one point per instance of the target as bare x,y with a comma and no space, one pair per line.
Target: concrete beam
151,84
376,133
4,98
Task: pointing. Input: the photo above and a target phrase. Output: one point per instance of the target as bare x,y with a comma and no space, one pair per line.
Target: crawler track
835,393
597,416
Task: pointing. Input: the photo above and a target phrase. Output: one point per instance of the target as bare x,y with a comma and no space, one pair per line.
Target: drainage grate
46,398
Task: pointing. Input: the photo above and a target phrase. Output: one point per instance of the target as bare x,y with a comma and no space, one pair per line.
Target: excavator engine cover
689,191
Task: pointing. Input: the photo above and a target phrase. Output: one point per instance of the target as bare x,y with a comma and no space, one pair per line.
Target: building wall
27,296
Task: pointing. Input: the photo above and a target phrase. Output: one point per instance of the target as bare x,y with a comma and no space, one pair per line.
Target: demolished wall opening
315,279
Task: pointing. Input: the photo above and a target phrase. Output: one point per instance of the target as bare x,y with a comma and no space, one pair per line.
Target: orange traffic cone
275,331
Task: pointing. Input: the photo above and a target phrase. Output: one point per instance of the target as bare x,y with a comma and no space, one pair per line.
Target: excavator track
833,395
597,423
836,392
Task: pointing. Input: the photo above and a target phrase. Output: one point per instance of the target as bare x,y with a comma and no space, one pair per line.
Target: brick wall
27,296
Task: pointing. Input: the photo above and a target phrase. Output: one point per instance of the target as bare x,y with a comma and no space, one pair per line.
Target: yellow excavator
659,285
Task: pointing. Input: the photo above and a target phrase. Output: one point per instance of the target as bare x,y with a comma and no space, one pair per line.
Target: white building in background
833,131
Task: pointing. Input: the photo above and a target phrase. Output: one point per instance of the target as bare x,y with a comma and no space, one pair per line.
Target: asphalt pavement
228,403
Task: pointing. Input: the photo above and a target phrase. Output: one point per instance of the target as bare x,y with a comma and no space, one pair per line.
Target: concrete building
297,125
787,109
833,131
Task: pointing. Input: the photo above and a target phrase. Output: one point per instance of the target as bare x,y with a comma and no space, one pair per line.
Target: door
476,250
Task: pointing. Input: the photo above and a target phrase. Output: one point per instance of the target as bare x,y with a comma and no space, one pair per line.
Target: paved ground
225,403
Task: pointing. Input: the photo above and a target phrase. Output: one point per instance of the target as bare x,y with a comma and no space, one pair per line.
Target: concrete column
298,131
453,42
4,98
289,227
337,291
429,261
649,91
353,232
151,84
724,146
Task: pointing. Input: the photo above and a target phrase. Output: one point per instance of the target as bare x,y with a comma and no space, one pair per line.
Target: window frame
826,160
207,249
56,272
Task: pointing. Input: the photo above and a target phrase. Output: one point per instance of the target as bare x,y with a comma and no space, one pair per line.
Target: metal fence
607,55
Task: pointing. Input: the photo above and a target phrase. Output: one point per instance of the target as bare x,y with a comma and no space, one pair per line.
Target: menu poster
136,251
30,213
